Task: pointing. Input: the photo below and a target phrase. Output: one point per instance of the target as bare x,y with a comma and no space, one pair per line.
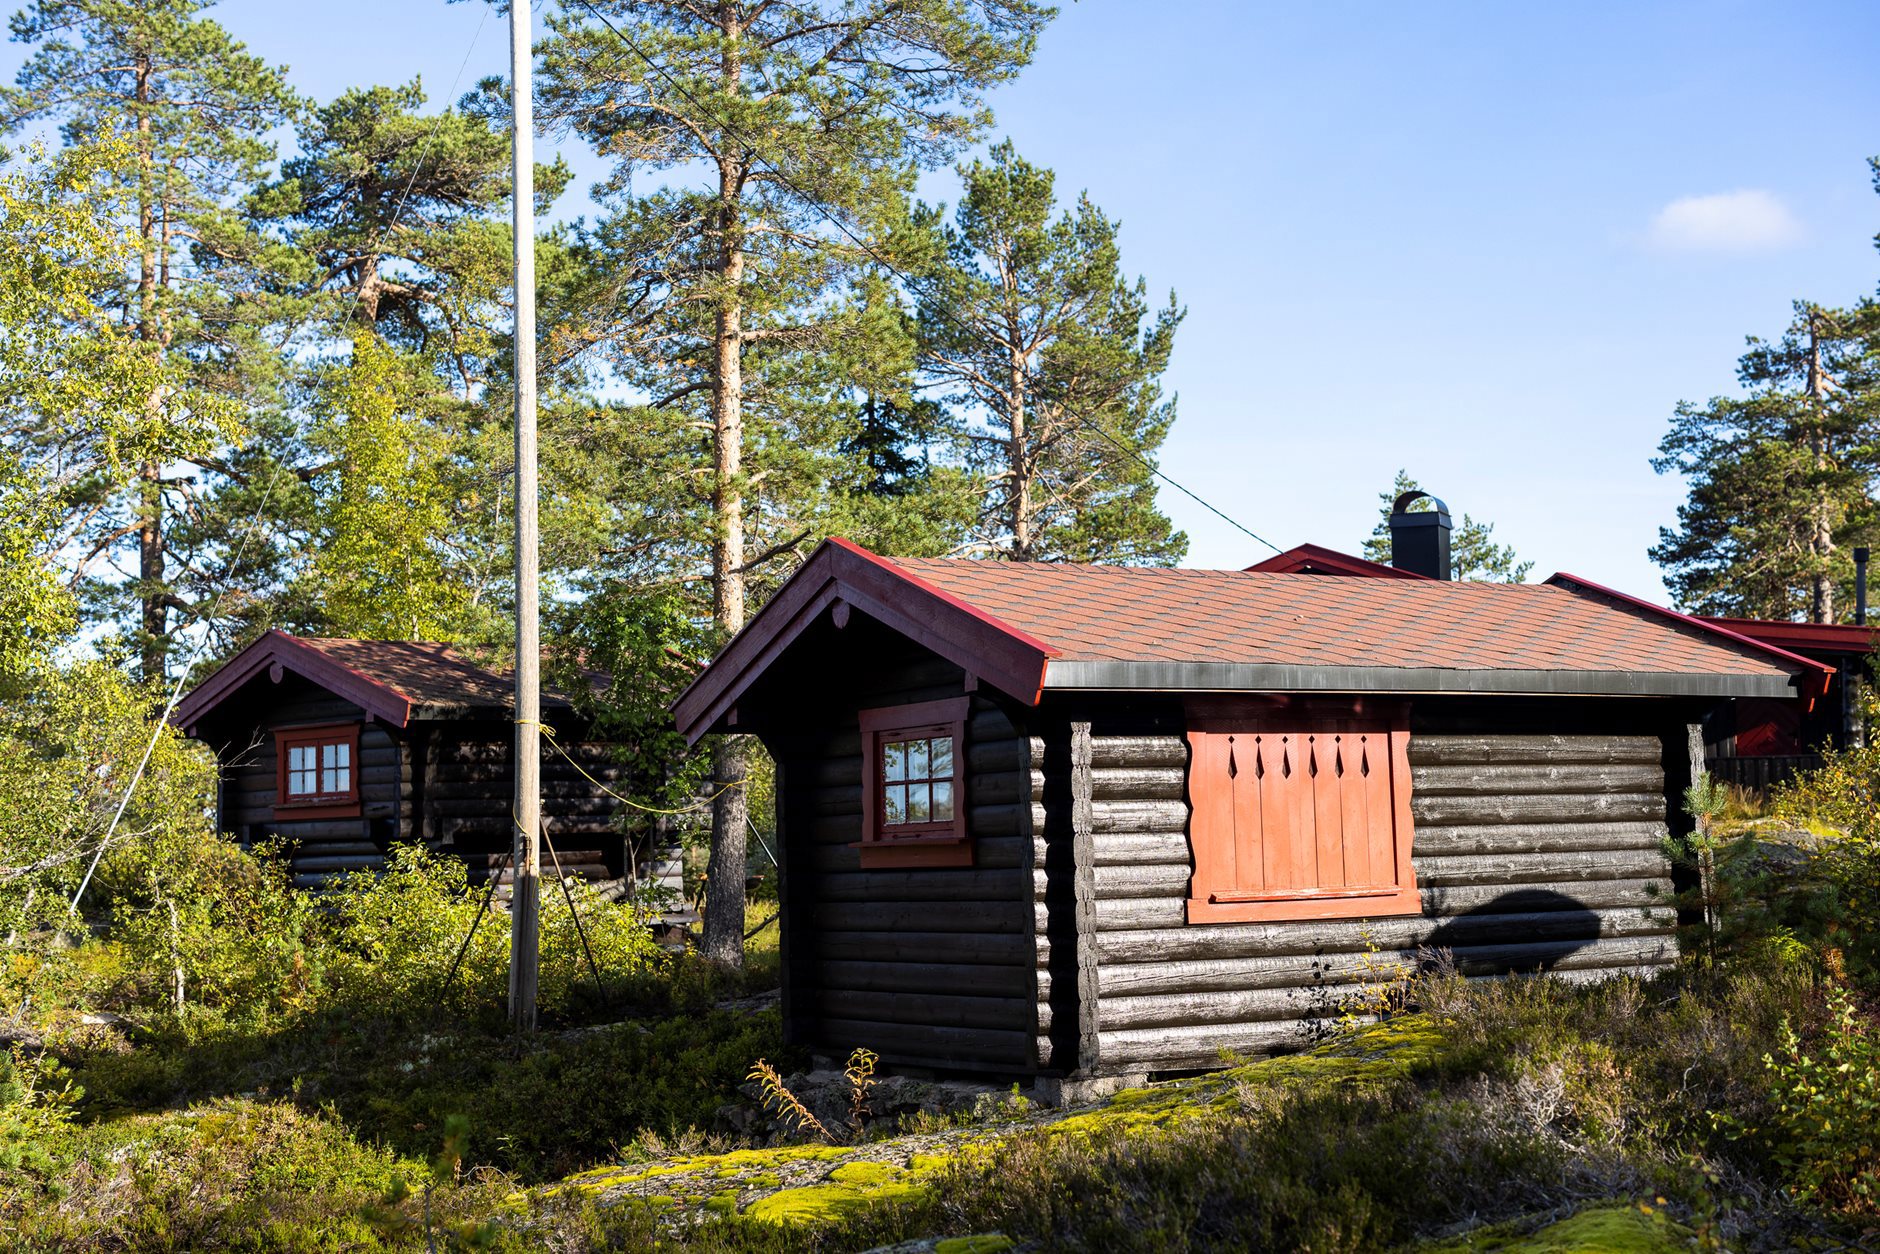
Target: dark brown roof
392,680
1027,627
425,674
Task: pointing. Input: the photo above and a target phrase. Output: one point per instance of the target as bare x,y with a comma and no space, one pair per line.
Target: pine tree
1473,553
194,109
1780,478
719,284
1041,347
397,220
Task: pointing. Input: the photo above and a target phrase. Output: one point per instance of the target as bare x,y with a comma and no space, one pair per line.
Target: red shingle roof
1028,628
1135,614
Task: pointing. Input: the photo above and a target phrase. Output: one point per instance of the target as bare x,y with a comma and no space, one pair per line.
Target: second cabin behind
1084,822
340,748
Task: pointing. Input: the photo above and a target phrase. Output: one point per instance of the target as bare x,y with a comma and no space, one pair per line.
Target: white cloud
1741,221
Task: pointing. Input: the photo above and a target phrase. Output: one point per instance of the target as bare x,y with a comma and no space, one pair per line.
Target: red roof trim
1818,673
1009,659
965,607
1828,637
376,698
1316,559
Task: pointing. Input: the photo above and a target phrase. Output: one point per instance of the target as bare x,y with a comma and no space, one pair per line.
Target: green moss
985,1243
868,1173
1620,1229
732,1165
725,1203
851,1188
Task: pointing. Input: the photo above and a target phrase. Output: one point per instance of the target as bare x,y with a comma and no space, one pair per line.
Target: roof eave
277,648
986,647
1811,682
1186,677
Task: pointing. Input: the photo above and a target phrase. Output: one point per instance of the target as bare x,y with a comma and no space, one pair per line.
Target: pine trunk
1821,538
1019,459
154,616
724,876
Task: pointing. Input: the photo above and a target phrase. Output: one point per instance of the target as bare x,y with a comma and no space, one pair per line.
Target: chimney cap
1400,510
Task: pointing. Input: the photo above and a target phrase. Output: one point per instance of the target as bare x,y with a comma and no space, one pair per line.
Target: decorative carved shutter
1300,819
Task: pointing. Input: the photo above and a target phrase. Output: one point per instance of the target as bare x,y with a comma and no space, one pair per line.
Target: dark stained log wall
447,784
930,967
1533,852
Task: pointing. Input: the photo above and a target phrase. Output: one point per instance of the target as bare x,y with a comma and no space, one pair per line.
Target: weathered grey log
1086,889
1140,816
1191,1048
1452,750
947,1010
1237,940
935,884
1555,895
1540,808
1142,849
1138,783
1524,868
1536,838
1114,882
1218,1008
991,948
1125,979
1520,780
1124,751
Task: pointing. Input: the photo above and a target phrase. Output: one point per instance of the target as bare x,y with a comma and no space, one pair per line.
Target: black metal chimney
1860,585
1419,541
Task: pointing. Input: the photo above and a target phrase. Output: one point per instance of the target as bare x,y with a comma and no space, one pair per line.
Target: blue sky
1492,243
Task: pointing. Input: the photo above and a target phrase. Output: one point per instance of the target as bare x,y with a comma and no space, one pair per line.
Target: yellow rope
549,734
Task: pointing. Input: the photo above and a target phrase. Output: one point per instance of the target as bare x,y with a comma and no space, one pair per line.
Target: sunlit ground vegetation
203,1059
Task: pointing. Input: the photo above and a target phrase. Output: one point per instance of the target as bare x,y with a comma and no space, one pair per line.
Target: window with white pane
319,767
913,801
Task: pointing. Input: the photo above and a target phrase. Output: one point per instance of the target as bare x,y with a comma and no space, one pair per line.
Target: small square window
913,770
318,772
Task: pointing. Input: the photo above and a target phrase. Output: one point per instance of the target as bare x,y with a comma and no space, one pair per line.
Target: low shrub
1824,1125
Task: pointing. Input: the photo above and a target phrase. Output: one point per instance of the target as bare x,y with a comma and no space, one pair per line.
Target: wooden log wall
469,791
320,848
1533,852
930,967
447,784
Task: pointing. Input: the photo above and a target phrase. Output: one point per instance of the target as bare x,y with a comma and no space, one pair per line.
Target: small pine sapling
1705,801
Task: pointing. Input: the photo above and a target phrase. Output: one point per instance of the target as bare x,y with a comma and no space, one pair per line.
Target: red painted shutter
1300,819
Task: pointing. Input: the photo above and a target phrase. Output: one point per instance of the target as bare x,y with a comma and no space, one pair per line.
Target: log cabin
1086,824
341,747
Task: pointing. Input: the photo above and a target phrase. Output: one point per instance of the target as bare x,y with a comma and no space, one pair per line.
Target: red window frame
1300,815
935,842
342,804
